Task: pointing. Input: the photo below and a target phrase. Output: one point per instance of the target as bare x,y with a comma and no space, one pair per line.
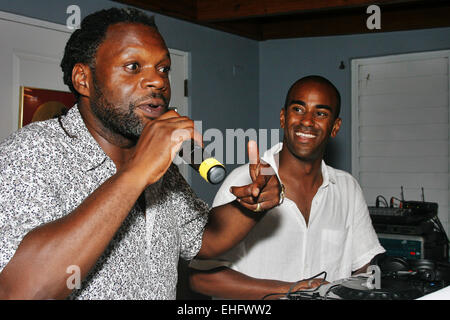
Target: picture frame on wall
38,104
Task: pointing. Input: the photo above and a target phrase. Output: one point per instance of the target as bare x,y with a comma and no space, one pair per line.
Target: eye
322,114
297,108
133,67
164,69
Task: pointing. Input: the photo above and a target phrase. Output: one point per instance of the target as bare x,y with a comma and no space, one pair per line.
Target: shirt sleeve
26,198
365,244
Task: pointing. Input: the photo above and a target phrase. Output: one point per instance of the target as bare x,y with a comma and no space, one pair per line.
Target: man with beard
91,205
323,224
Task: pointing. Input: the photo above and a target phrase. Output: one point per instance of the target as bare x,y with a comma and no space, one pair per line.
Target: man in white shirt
323,224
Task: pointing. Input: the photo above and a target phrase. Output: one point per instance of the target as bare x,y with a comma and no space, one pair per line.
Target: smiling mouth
305,135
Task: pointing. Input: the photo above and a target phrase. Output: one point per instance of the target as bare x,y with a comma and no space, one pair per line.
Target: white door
400,127
30,54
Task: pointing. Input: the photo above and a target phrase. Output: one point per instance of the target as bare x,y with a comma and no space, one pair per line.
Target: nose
307,120
153,79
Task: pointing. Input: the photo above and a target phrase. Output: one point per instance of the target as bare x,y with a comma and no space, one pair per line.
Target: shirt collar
91,155
271,156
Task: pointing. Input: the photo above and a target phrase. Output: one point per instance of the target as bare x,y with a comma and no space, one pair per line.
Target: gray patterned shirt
48,168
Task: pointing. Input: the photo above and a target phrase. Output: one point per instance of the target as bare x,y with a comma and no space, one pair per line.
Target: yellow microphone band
206,165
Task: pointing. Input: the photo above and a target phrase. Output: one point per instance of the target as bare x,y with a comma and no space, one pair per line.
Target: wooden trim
354,22
277,19
219,10
182,9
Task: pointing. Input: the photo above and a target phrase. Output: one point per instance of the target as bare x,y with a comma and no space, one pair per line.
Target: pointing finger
253,156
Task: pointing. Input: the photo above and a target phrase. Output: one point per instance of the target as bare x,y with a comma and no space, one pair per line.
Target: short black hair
84,42
317,79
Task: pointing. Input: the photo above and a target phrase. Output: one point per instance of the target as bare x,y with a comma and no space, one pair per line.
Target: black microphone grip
194,155
208,167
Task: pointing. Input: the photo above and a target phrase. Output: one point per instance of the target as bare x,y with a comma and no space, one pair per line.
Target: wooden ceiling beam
186,10
182,9
320,18
354,22
221,10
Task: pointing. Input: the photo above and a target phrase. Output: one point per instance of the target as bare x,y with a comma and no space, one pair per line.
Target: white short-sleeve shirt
338,239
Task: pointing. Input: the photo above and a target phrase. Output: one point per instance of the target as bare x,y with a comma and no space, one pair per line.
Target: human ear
282,118
336,127
81,74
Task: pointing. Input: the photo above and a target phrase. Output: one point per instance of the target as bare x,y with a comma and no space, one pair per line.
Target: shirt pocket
332,247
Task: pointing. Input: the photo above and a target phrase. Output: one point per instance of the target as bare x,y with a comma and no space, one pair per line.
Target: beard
120,119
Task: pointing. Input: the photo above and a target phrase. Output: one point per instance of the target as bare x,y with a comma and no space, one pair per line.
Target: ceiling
277,19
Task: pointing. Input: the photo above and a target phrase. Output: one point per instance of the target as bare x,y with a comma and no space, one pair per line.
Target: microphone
194,155
209,168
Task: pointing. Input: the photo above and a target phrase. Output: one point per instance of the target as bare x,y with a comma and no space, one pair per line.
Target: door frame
34,22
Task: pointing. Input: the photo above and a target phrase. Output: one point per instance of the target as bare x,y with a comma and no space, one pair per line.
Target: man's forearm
363,269
38,268
229,284
227,226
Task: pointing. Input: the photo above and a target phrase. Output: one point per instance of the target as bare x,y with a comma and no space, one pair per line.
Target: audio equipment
401,279
403,245
414,269
406,212
402,215
410,229
355,288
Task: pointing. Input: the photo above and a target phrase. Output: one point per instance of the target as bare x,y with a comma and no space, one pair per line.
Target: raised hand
265,190
158,144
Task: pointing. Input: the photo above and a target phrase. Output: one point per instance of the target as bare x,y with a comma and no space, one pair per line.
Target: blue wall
220,98
284,61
